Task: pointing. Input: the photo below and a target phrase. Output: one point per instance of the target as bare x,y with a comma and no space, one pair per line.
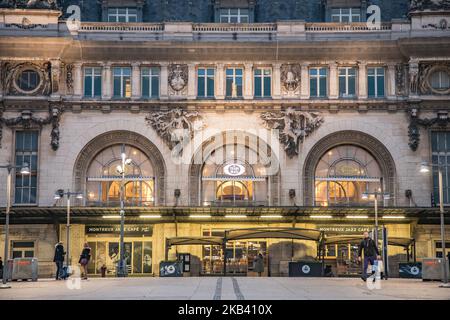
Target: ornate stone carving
290,78
400,79
69,78
294,126
442,119
176,125
425,73
26,120
178,79
420,5
442,25
413,77
30,4
11,71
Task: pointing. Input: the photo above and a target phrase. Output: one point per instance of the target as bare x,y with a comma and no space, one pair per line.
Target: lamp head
424,167
25,170
365,196
59,194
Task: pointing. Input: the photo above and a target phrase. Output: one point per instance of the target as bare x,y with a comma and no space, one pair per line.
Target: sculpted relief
290,78
25,78
178,79
419,5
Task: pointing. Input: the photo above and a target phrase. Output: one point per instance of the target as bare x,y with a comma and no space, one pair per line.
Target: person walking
84,260
259,264
58,259
371,253
1,268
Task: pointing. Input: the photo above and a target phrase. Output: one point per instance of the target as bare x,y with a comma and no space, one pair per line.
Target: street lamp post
58,195
121,169
425,168
365,196
24,170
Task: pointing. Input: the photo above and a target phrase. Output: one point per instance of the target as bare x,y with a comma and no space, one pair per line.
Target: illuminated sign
234,169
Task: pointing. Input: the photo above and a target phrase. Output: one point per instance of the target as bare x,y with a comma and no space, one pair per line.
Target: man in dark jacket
59,259
371,253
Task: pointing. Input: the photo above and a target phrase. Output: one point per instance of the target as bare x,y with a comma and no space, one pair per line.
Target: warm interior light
199,216
150,216
272,216
79,196
394,217
321,217
365,196
111,217
235,216
357,217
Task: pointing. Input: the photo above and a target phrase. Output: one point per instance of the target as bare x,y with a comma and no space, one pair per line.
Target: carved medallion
290,77
178,78
13,74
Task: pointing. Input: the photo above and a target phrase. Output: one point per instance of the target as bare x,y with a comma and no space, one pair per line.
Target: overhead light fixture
393,217
200,216
150,216
273,216
357,217
321,217
231,216
79,196
111,217
365,196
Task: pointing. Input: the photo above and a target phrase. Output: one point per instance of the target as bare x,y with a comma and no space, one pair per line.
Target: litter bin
305,269
25,269
171,269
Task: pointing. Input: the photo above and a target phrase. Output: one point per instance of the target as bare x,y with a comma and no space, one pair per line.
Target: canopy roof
394,241
178,241
275,233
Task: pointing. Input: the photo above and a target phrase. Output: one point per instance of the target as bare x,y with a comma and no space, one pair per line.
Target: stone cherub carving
176,125
294,126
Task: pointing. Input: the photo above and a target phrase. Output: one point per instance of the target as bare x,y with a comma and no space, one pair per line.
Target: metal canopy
179,241
393,241
275,233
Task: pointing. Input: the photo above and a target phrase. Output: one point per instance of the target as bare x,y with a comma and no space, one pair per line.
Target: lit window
205,82
26,151
440,80
375,80
122,15
234,82
234,15
347,82
122,82
346,15
92,82
150,82
263,82
318,82
440,148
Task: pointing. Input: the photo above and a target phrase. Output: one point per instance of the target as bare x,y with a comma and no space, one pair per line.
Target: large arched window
343,174
103,179
232,175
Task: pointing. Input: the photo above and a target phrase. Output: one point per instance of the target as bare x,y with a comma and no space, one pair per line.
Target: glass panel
380,86
88,86
147,259
258,87
145,87
201,87
98,86
92,262
371,86
323,86
155,86
267,87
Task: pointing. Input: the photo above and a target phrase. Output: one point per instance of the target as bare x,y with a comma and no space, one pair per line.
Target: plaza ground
225,288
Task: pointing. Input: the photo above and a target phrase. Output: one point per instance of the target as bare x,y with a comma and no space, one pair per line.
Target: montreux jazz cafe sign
345,229
129,230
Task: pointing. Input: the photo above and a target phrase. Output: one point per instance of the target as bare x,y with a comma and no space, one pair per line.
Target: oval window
440,80
28,80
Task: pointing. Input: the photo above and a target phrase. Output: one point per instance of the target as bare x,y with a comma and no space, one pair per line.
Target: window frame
376,75
263,87
347,77
317,78
33,173
233,77
350,15
117,15
151,77
122,76
239,15
206,77
436,155
93,76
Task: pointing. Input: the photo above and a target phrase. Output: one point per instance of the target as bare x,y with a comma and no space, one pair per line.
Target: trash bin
25,269
103,271
171,269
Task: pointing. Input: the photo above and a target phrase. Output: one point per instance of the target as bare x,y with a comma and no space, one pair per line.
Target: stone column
390,82
220,82
135,81
362,80
192,80
78,79
248,81
334,87
106,82
164,81
276,78
304,81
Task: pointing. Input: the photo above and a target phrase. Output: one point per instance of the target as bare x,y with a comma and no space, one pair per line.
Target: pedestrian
259,264
58,259
84,260
1,268
371,254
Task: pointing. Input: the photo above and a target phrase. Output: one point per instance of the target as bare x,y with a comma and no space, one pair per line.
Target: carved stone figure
30,4
175,126
420,5
413,78
69,78
26,120
290,77
442,119
294,126
178,78
400,79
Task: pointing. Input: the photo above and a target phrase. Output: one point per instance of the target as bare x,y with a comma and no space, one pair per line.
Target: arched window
440,80
343,174
103,179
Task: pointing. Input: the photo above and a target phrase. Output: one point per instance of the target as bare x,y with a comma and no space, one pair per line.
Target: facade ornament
426,71
55,75
400,81
290,77
442,25
442,120
11,72
69,78
30,4
178,78
294,126
420,5
413,78
175,126
26,120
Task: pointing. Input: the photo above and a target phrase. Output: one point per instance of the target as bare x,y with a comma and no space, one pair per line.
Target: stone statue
294,126
413,78
290,77
400,79
176,125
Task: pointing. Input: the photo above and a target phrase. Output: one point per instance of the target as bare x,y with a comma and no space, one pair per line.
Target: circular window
440,80
28,80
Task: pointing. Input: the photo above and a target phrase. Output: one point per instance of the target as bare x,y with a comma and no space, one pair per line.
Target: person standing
259,264
58,259
371,253
84,260
1,268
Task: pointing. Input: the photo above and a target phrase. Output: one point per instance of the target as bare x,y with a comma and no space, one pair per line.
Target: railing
345,27
227,27
121,27
236,203
116,203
